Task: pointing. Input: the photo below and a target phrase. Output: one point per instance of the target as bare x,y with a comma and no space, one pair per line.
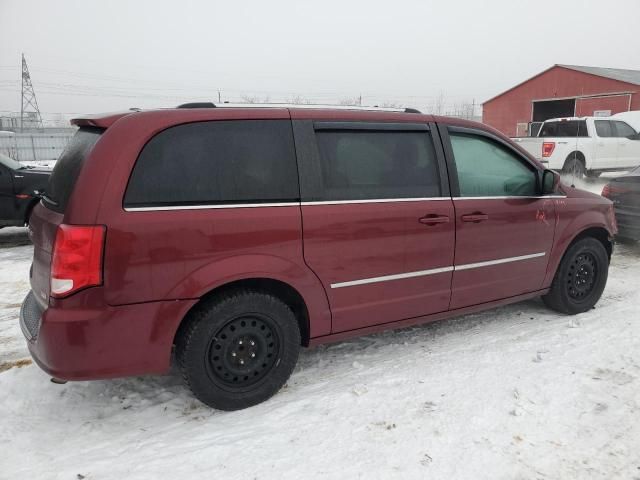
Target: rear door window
67,169
623,129
603,128
369,164
220,162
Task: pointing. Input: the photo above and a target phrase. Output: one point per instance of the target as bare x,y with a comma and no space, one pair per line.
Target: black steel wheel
244,351
580,278
238,350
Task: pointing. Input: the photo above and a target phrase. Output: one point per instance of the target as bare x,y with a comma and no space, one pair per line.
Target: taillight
547,149
77,258
610,190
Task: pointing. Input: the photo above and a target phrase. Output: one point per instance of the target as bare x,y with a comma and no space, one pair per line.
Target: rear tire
574,166
580,278
239,349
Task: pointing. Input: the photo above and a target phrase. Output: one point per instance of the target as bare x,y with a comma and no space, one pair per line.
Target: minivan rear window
67,168
216,162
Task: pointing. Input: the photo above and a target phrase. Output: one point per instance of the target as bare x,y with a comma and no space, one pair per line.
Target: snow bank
512,393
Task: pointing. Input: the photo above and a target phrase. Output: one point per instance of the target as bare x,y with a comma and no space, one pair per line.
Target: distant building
10,123
563,91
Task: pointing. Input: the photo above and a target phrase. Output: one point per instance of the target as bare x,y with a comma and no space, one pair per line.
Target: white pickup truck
585,145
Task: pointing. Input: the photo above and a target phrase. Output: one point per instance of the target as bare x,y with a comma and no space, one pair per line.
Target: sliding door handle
475,217
434,219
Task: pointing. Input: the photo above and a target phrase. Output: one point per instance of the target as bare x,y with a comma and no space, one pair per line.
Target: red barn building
563,91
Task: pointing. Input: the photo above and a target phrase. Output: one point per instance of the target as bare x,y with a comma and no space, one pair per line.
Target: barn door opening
546,109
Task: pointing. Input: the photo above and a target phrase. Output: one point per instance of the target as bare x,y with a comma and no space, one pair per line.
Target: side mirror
634,137
550,182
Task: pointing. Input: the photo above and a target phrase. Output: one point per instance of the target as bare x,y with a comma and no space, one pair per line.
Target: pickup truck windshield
564,128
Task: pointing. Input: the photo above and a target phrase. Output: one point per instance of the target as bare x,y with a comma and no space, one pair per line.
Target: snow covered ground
517,392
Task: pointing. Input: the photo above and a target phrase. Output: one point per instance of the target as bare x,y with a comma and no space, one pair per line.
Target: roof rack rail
289,105
198,105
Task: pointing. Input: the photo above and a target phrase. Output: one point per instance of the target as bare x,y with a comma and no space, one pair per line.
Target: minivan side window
367,164
603,128
486,168
217,162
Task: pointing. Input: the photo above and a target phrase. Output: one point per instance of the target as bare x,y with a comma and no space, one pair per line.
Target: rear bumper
85,343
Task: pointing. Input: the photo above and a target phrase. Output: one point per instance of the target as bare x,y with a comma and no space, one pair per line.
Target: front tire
239,349
580,278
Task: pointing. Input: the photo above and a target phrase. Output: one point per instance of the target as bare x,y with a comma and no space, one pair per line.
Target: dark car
233,236
624,192
18,187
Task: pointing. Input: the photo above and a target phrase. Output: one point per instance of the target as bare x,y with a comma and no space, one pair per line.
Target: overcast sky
88,56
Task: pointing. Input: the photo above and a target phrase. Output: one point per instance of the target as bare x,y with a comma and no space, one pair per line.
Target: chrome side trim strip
387,278
509,197
499,261
468,266
375,200
204,207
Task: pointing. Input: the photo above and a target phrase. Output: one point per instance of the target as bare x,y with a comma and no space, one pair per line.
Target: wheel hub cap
243,351
582,276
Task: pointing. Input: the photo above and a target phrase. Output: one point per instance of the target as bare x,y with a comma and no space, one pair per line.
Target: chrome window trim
375,200
420,273
205,207
326,202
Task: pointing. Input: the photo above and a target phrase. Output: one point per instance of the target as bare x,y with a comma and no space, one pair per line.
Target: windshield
10,162
564,128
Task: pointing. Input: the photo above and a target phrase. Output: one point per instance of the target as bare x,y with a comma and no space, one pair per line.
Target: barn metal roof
620,74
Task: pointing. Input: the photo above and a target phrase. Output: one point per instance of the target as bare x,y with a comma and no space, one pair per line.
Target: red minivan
232,236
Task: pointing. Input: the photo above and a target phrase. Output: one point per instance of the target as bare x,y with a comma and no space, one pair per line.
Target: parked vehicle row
585,146
19,187
233,236
624,192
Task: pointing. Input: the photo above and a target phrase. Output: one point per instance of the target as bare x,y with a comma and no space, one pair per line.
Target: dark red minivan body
360,251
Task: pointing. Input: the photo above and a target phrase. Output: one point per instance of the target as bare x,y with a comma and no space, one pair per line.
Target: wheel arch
279,289
599,232
575,154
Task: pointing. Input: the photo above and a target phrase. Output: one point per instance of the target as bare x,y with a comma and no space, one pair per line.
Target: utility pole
29,104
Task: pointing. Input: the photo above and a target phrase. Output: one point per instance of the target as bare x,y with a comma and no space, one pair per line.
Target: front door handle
433,219
475,217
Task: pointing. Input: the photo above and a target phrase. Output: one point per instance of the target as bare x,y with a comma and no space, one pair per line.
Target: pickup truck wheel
238,350
574,166
580,279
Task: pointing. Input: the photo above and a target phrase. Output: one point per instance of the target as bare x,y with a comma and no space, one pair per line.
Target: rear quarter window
66,170
566,128
219,162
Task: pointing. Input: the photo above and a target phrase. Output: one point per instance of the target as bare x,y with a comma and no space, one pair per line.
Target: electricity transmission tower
29,111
